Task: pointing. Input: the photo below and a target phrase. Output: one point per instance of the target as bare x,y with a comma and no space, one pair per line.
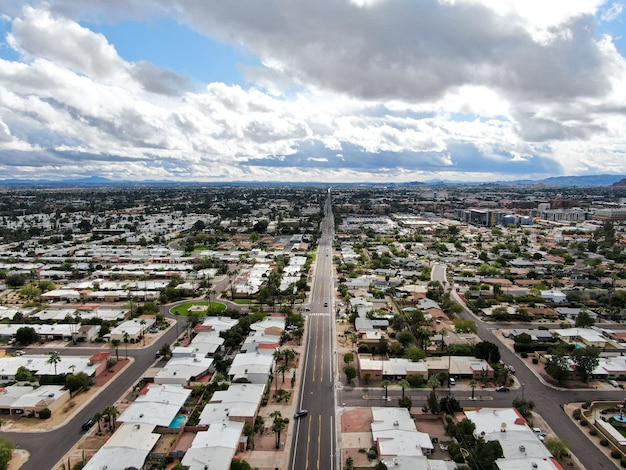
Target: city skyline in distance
373,91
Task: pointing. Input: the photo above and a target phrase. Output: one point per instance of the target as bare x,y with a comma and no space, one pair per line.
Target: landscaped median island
606,424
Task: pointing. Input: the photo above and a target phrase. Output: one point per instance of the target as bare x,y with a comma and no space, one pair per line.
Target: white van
451,381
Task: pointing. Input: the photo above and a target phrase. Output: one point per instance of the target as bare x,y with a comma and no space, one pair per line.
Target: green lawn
183,309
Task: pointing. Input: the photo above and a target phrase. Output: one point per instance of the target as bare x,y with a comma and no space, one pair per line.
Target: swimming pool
178,421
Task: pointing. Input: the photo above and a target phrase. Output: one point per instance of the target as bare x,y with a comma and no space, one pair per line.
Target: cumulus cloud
378,88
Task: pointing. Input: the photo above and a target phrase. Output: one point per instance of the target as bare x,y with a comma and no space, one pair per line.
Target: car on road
503,389
300,414
87,424
19,352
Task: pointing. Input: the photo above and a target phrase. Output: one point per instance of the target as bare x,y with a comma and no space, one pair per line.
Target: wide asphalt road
314,437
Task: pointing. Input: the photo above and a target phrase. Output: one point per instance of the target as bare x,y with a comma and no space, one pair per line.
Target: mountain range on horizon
555,181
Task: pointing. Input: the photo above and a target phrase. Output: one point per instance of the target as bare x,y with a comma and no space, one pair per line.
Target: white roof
220,324
182,369
57,329
206,342
240,400
38,364
20,396
214,447
269,322
250,363
158,407
394,431
129,446
521,447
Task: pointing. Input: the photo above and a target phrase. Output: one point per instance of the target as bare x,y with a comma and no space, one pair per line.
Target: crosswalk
317,314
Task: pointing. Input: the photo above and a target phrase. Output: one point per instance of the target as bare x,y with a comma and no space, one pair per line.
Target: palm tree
111,412
385,385
404,384
54,358
473,383
288,355
433,382
143,330
126,337
116,343
98,418
278,426
278,355
282,369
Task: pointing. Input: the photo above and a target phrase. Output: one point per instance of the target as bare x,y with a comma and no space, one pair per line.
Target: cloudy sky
323,90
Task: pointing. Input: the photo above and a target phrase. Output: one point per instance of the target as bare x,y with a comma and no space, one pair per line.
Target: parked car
87,424
300,414
615,383
503,389
451,381
540,433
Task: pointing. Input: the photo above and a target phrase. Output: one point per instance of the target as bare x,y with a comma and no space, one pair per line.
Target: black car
300,414
87,424
503,389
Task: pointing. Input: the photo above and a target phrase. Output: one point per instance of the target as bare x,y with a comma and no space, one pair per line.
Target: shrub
584,422
622,462
535,360
616,454
577,413
604,442
586,405
524,355
593,432
45,413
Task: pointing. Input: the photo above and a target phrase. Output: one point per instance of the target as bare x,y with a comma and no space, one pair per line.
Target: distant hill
591,180
617,181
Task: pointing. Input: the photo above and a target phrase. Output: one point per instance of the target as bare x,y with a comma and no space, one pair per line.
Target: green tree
484,454
282,369
557,447
524,406
473,383
237,464
26,335
75,383
350,372
54,358
404,384
586,360
348,358
116,344
584,320
433,403
558,365
6,449
385,384
488,351
126,338
278,425
24,375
